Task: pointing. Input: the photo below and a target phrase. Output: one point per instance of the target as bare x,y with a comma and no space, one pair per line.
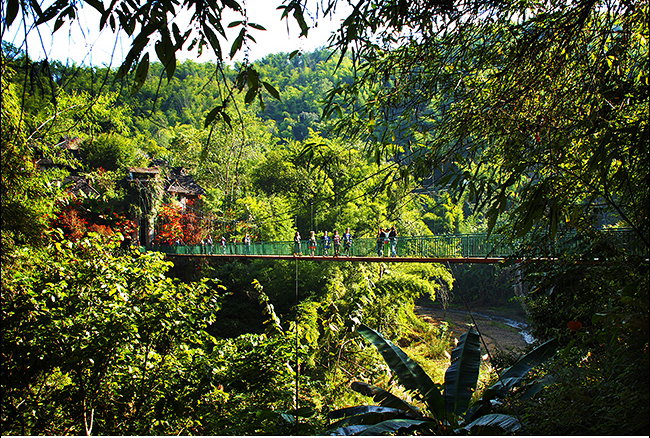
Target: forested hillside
276,163
524,120
196,88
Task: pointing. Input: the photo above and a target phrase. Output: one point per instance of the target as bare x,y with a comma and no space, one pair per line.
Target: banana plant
448,412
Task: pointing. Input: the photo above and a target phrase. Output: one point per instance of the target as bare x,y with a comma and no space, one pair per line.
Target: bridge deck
346,259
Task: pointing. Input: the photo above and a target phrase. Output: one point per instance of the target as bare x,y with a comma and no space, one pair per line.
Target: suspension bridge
463,248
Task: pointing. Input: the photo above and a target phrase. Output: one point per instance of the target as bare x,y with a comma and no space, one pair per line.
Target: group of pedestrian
385,236
341,244
344,242
208,243
335,242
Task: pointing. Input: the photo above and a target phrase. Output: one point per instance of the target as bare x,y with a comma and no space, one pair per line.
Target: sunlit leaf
411,375
462,375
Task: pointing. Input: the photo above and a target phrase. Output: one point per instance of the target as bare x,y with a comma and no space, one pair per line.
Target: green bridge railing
623,241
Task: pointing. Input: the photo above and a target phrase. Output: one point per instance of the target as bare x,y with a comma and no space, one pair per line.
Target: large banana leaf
362,410
530,392
492,424
383,397
390,426
410,374
462,374
513,375
368,415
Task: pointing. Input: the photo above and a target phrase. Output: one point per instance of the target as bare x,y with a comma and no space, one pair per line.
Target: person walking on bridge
326,243
311,243
336,241
347,242
208,244
381,238
392,237
296,244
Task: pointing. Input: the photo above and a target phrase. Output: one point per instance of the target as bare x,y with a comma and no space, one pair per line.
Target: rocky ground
493,326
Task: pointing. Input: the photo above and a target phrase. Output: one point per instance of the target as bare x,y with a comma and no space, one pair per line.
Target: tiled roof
179,181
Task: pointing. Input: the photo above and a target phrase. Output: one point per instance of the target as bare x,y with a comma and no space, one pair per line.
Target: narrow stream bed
500,331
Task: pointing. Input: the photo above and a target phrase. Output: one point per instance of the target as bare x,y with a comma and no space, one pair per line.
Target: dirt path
494,328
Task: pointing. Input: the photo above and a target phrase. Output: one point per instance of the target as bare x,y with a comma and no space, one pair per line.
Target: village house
148,186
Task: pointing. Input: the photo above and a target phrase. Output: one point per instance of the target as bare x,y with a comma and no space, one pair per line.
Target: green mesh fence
445,246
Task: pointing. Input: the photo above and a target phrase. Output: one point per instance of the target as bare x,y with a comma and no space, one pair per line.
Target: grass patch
432,350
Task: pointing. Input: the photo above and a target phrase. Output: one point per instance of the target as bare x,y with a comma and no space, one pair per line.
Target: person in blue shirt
326,242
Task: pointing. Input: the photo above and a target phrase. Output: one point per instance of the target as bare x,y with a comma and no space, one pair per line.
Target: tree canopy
540,111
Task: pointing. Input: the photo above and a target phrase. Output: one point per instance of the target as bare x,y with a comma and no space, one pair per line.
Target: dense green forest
433,131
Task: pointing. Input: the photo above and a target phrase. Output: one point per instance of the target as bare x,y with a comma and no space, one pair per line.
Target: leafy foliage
460,381
102,337
112,152
98,340
604,358
26,208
